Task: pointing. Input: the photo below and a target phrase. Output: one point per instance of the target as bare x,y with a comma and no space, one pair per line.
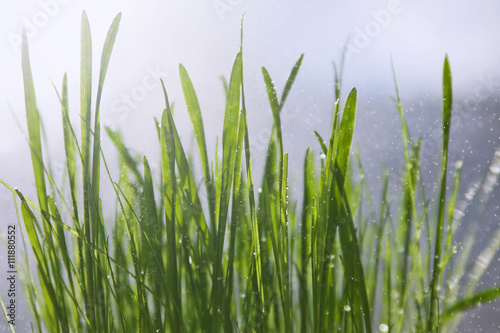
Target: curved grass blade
194,111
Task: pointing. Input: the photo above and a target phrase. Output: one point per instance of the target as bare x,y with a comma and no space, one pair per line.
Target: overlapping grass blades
187,254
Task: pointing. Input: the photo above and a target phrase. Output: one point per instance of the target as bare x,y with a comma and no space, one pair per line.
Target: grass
185,256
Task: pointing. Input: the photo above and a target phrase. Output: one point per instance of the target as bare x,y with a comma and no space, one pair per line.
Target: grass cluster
225,254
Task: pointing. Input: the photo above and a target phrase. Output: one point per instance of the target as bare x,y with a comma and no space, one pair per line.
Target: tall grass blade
436,271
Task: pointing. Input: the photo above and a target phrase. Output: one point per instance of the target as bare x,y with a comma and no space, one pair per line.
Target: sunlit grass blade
194,110
87,270
33,120
106,54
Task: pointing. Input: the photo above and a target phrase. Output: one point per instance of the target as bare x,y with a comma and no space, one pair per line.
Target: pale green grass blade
52,309
69,146
34,136
8,320
194,111
483,297
87,270
224,85
106,54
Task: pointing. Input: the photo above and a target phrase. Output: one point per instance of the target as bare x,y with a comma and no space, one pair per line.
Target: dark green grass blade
324,148
447,106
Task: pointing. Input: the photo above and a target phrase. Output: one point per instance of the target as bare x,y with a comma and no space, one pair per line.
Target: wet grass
223,254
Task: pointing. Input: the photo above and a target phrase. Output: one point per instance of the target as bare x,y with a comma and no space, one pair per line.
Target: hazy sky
155,36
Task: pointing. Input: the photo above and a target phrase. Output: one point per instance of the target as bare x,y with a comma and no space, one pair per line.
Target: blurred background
155,36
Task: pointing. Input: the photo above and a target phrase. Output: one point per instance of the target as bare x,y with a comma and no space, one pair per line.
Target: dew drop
383,328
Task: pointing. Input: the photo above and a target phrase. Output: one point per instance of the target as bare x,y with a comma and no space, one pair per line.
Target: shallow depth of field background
155,36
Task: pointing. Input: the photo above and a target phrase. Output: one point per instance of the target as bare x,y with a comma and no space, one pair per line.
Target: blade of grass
169,193
229,147
194,111
447,105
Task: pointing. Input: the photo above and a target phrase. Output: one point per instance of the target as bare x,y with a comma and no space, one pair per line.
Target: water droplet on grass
383,328
347,308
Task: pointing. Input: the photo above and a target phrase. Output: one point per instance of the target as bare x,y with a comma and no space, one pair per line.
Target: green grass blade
169,193
229,147
310,188
34,136
447,106
106,54
152,230
346,131
483,297
291,79
87,270
69,146
194,111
